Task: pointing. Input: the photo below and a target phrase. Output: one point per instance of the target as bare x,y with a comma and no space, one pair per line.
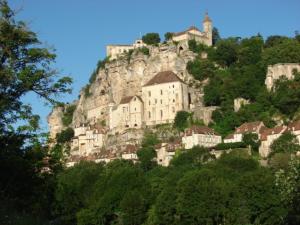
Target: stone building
163,96
113,51
201,136
251,127
294,128
239,102
193,33
130,153
280,70
165,152
127,114
268,136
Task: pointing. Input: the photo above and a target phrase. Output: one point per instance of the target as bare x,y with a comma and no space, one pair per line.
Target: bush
151,39
168,36
201,69
225,146
68,115
181,120
65,136
144,50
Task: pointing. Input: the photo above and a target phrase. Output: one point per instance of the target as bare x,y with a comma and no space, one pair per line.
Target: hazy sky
79,30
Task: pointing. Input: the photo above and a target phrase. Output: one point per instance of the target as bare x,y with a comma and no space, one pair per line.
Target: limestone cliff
124,77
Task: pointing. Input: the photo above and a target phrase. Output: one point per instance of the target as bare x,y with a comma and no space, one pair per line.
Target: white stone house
279,70
165,152
251,127
130,153
163,96
193,33
268,136
128,114
114,51
200,136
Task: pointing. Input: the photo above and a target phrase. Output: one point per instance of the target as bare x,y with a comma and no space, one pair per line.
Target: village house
193,33
130,153
86,139
268,136
251,127
163,96
165,152
200,136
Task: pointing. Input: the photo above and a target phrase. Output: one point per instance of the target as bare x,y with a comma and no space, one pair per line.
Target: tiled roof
271,131
294,126
229,136
186,31
127,99
129,149
163,77
248,127
200,130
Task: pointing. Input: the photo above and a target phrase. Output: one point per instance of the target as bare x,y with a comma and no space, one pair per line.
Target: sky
79,30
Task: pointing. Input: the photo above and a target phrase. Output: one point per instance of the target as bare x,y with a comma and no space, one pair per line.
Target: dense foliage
151,38
237,68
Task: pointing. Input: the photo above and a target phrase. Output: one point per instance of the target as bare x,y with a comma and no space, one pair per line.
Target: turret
207,28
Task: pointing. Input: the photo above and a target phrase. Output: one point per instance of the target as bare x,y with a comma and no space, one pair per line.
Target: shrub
65,136
144,50
68,115
225,146
151,39
168,36
182,120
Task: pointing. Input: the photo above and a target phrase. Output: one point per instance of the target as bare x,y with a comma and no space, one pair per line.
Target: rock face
55,121
280,70
124,77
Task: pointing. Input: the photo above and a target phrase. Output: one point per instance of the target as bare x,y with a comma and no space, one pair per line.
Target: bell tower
207,28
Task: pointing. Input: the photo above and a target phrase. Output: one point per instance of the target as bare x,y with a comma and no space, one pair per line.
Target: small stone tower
207,28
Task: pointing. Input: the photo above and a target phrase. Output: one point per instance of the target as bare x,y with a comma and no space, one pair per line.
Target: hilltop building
193,33
114,51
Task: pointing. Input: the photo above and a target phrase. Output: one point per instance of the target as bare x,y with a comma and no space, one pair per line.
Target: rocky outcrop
55,121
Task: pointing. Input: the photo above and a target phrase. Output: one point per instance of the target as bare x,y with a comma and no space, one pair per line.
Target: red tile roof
249,127
229,136
271,131
294,126
163,77
129,149
186,31
200,130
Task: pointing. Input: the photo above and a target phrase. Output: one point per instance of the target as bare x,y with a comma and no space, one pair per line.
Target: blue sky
79,30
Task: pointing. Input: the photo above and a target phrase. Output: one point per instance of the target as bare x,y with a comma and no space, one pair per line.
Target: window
173,100
161,101
173,109
149,93
155,101
173,86
124,109
161,113
134,109
161,92
149,103
149,114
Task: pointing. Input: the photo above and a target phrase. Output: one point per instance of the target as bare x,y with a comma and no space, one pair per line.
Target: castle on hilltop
182,38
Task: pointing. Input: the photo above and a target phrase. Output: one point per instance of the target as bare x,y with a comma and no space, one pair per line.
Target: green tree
24,67
151,38
168,36
287,143
252,140
201,69
215,36
65,136
182,120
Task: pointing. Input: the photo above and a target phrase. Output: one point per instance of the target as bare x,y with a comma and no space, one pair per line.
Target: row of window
161,113
161,91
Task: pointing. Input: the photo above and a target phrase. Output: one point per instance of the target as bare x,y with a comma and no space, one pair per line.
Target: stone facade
280,70
200,136
165,152
268,136
55,122
163,96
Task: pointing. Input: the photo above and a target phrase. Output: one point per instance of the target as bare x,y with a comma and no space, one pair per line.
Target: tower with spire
207,27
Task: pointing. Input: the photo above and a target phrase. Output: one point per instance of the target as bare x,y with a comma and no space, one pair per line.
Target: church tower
207,28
